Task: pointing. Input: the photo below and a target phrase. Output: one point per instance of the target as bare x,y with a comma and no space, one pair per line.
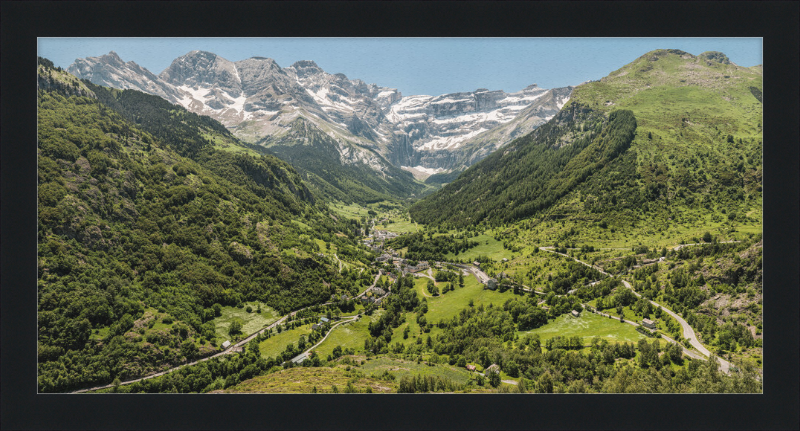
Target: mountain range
668,131
259,101
160,228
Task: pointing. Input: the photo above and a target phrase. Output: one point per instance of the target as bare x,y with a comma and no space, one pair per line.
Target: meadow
304,380
587,326
402,367
487,246
347,335
448,305
277,343
251,322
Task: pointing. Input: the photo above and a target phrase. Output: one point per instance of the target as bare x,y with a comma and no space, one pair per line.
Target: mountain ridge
256,98
698,136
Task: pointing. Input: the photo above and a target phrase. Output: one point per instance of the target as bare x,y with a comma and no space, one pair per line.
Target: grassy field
587,326
354,211
401,367
349,210
300,380
348,335
488,246
448,305
305,380
276,344
400,227
251,322
413,332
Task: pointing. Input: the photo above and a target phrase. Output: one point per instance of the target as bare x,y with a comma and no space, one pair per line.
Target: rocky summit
259,101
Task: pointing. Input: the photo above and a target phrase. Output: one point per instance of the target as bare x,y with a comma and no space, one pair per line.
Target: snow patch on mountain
256,99
450,142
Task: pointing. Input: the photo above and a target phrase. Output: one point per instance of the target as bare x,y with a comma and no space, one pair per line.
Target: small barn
226,344
576,313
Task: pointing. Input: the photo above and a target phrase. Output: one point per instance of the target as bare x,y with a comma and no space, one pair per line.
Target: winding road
374,282
303,356
688,332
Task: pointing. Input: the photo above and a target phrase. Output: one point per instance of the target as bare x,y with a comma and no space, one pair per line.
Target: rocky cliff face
109,70
452,131
259,101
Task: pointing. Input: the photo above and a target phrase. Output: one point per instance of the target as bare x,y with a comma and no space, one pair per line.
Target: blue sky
430,66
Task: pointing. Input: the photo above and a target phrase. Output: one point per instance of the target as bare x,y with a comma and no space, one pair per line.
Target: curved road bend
301,357
688,332
232,348
374,282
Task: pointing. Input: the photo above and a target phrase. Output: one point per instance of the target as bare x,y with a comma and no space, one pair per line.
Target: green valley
615,248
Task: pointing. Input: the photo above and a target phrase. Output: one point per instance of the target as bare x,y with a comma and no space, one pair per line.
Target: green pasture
487,246
277,343
450,304
251,322
401,367
348,335
587,326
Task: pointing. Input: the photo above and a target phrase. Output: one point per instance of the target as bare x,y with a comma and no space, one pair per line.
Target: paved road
374,282
549,250
688,332
302,357
231,349
686,351
482,277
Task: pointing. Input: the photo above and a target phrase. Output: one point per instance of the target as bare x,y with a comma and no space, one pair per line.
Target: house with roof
649,324
476,264
226,344
378,291
576,313
494,368
383,258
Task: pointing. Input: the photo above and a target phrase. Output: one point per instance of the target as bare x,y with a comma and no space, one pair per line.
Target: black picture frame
776,22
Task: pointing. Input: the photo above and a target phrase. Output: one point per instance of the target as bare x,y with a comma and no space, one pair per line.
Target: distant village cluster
376,242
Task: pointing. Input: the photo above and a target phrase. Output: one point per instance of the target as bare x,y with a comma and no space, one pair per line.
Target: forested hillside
317,156
697,147
531,173
145,230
